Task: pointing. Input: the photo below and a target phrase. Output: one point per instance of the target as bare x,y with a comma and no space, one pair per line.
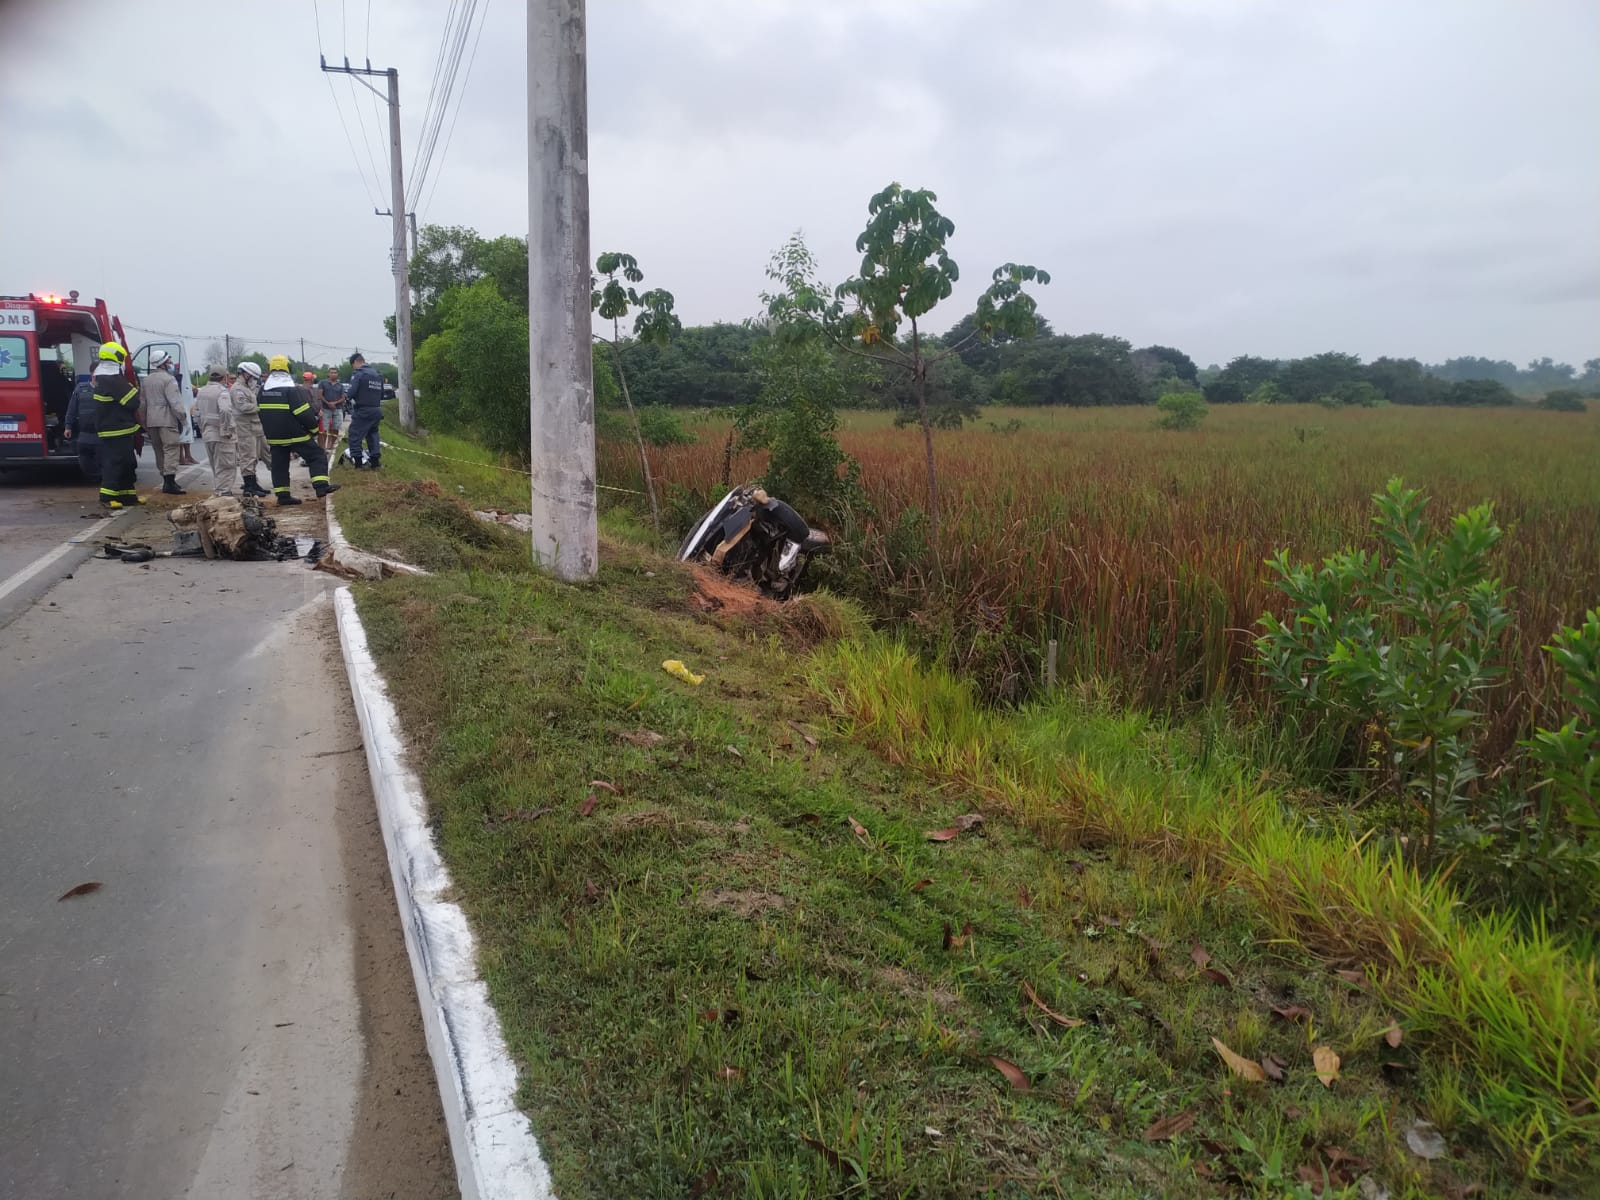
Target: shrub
1399,644
794,418
1564,400
1181,410
1570,755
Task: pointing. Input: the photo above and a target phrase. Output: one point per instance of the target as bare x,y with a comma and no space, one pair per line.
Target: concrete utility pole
560,369
398,258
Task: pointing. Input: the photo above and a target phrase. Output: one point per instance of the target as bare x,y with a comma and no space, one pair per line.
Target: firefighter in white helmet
252,443
163,414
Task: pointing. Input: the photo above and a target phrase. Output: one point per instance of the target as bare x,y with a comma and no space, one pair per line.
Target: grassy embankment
747,972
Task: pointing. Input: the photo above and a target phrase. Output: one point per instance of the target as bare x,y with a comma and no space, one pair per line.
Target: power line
338,108
433,83
460,99
441,109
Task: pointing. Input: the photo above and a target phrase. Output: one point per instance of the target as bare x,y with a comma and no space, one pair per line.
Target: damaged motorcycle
751,535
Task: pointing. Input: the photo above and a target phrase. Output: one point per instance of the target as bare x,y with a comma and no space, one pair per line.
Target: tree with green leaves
906,270
653,321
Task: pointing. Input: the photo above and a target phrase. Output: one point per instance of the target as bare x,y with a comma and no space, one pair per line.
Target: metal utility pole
560,369
398,258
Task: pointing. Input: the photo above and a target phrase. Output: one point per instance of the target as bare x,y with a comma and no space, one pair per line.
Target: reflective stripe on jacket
116,405
286,416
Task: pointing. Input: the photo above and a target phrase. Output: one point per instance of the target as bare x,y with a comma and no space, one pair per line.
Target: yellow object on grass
678,671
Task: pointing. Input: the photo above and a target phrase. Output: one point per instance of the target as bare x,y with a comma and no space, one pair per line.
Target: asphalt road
230,1012
43,508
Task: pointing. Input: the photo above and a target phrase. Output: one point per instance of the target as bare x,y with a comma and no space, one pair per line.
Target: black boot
324,489
285,500
252,488
169,486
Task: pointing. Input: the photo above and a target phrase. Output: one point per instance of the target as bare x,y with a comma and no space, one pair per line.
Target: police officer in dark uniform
79,426
290,428
366,407
116,421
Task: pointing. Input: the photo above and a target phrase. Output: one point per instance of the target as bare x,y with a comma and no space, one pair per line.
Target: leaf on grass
590,891
969,820
588,804
835,1159
1170,1127
920,884
1033,998
1153,946
601,783
1358,978
1239,1065
1217,977
800,729
1198,954
727,1016
1274,1067
954,941
943,835
858,828
644,739
1327,1064
1024,896
730,1074
1014,1074
734,750
83,889
1394,1035
1292,1012
1426,1141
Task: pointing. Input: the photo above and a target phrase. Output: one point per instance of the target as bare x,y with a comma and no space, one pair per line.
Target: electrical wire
433,83
441,109
460,98
366,184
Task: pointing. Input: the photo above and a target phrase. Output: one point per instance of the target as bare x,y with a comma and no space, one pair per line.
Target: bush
1397,644
473,374
1181,410
1564,400
794,419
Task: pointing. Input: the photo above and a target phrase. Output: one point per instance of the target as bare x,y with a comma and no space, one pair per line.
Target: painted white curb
496,1155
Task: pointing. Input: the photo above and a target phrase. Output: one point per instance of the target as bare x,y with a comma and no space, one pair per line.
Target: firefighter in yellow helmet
290,428
117,418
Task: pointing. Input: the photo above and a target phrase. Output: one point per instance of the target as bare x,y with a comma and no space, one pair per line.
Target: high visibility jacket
116,406
214,410
286,416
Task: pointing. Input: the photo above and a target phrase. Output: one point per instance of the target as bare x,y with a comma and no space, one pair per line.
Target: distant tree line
472,300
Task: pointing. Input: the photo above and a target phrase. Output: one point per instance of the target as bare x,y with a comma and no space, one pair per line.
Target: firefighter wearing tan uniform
163,418
213,409
247,435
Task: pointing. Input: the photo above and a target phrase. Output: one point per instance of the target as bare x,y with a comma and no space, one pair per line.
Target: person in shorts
330,410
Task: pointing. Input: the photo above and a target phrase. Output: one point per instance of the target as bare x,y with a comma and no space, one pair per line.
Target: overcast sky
1275,177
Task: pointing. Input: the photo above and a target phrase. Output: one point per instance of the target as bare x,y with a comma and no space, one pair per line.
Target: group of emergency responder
244,418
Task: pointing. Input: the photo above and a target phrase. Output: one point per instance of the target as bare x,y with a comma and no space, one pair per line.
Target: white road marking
44,561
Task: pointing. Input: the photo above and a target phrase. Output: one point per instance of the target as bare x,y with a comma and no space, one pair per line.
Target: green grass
715,986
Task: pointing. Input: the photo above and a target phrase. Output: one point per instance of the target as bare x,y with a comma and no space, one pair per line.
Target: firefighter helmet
113,352
278,362
251,369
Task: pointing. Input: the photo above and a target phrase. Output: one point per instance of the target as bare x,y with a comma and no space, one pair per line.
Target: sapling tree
906,271
653,321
